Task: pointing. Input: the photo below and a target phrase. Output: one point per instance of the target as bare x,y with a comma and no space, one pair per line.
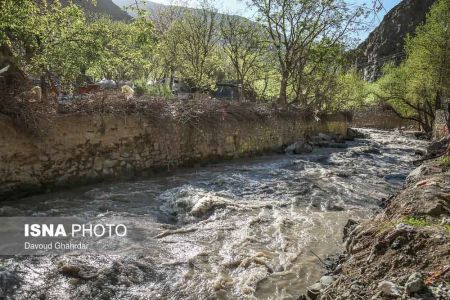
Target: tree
296,26
197,38
166,59
47,40
245,45
124,51
416,88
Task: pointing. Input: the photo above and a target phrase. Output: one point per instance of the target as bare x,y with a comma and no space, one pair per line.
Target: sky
239,7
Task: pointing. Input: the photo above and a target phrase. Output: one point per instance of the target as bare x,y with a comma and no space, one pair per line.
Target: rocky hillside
154,8
105,7
386,42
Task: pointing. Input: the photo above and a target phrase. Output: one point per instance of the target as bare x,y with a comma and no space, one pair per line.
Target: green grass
419,222
444,160
415,222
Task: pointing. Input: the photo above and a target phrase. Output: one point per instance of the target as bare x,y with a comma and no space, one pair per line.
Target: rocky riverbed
248,229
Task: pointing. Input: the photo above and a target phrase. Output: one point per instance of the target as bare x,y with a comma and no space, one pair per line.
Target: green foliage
124,51
306,36
191,42
245,46
415,222
420,222
47,38
155,90
352,92
444,161
295,53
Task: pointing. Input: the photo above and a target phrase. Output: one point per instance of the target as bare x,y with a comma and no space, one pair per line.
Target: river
246,229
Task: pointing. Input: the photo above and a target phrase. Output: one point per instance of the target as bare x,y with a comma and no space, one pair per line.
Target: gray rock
436,210
110,163
324,137
414,284
395,177
388,288
387,40
349,227
353,133
313,291
299,147
416,174
326,280
8,282
371,149
399,242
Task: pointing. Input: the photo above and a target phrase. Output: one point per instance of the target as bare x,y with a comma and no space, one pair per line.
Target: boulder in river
300,147
355,134
8,282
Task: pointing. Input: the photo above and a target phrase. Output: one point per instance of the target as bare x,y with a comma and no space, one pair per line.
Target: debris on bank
35,116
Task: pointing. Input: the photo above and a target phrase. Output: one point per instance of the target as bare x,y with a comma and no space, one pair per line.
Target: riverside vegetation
306,41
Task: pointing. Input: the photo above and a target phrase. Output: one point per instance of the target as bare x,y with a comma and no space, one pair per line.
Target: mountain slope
105,7
386,42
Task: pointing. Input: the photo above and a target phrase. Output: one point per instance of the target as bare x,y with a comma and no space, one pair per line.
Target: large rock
388,288
299,147
414,284
356,134
8,282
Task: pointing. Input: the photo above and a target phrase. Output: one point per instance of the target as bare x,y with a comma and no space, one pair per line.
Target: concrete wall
84,148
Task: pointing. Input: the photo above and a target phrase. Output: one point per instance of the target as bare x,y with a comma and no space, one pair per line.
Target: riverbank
90,141
401,253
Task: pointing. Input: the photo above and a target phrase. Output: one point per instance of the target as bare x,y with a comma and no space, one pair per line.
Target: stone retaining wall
85,148
380,119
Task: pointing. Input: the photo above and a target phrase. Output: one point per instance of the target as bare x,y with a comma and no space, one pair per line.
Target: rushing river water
247,229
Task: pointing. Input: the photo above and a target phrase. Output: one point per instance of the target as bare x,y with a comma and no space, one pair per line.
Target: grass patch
444,160
419,222
415,222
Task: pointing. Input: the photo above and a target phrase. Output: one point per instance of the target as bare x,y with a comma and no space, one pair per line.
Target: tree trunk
283,91
44,88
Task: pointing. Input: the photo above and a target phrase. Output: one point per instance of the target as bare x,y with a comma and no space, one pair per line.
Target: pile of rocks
324,140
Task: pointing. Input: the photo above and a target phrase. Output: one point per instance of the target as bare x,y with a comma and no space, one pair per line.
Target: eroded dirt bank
403,252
